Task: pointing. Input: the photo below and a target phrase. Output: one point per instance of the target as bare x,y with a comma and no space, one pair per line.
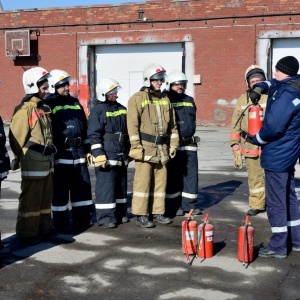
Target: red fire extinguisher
205,239
189,236
245,242
255,119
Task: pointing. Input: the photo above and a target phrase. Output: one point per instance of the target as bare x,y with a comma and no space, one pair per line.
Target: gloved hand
15,164
255,95
249,138
172,151
238,163
100,161
89,159
137,153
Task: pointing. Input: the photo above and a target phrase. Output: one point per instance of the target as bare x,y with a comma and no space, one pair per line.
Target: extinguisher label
209,233
252,115
189,235
210,239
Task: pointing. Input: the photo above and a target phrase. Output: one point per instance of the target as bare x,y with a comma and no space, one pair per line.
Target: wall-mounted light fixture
37,32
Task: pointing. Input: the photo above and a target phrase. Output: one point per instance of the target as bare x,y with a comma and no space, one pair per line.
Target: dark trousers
283,210
71,182
111,194
182,182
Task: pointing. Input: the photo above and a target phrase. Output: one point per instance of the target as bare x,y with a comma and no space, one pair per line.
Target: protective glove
15,164
255,95
172,151
249,138
89,159
137,153
238,162
100,161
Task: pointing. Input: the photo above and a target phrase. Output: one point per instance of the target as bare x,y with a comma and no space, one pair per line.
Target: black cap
288,65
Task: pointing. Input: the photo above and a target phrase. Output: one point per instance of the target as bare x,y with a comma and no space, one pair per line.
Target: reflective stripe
249,151
135,138
180,104
96,146
279,229
35,173
259,139
71,161
296,101
124,200
105,206
60,208
82,203
160,195
170,196
155,102
190,196
116,113
189,148
294,223
174,136
259,190
268,83
140,194
65,107
235,136
34,214
114,162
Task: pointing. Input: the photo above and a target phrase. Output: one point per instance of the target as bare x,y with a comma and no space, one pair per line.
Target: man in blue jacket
280,141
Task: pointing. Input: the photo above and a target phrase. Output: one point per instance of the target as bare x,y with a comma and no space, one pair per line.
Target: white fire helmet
153,71
176,77
254,69
107,86
58,77
33,78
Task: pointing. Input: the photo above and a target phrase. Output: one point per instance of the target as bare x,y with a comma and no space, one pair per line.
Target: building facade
213,42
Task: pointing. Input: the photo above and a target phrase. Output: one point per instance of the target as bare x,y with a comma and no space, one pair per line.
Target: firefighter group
54,143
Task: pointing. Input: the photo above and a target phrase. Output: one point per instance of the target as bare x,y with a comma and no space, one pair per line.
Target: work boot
267,253
108,225
296,249
197,212
180,212
143,221
161,219
125,219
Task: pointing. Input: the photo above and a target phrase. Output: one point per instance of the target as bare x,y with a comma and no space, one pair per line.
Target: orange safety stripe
249,151
34,116
235,136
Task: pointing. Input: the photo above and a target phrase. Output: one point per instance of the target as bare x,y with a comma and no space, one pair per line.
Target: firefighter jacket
107,132
238,127
280,134
30,137
151,125
69,125
185,114
4,157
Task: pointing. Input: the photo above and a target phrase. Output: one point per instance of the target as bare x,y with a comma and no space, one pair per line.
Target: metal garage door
125,63
285,47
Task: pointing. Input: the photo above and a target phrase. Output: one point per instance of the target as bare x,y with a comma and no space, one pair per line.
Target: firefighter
251,153
280,141
109,140
153,138
182,180
71,178
30,137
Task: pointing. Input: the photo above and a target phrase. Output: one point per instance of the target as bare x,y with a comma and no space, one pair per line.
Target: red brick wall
224,46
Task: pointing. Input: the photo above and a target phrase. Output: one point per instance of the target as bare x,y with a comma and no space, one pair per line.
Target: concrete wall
225,36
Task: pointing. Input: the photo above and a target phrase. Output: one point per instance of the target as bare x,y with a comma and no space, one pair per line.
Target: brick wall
224,34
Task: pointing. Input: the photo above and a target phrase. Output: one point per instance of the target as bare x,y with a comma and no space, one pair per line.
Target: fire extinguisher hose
185,228
245,239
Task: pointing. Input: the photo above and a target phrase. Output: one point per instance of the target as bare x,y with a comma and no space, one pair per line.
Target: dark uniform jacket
107,131
4,157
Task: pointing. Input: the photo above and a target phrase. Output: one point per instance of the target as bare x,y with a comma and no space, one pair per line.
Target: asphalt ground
130,262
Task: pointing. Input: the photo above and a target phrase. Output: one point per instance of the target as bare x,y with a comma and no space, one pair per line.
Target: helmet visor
114,90
159,76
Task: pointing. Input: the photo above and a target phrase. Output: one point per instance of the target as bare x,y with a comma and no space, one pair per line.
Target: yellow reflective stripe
34,214
180,104
116,113
63,107
155,102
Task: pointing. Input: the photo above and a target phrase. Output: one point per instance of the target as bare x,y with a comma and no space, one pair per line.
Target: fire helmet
254,69
33,79
176,77
152,72
107,86
58,77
